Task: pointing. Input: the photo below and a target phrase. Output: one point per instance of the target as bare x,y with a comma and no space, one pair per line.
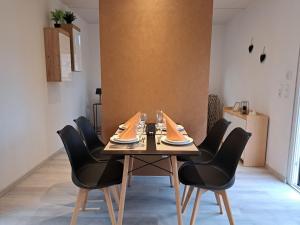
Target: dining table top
150,145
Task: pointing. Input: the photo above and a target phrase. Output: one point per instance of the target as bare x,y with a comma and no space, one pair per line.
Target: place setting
171,136
130,135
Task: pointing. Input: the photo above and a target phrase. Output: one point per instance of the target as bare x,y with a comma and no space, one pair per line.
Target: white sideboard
255,150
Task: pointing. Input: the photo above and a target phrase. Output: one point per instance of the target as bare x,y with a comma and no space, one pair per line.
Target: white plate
188,140
116,139
122,126
179,128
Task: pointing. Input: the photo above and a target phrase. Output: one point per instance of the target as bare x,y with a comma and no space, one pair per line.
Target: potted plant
57,16
69,17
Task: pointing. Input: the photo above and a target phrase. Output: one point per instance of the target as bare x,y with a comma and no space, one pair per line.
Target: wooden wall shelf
58,54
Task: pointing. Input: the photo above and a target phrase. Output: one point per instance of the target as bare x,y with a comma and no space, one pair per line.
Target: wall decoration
263,56
251,46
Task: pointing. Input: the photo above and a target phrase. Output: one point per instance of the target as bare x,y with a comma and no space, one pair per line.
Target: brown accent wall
155,55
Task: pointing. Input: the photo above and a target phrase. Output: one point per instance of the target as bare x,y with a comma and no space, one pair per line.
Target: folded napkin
172,133
129,132
133,120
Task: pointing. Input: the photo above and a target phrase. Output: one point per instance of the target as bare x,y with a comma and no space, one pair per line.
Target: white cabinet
65,57
77,50
255,150
75,46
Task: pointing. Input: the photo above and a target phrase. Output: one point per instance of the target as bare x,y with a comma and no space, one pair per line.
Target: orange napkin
172,133
129,132
133,120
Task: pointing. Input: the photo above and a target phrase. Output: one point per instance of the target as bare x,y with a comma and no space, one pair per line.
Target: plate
116,139
122,126
179,128
188,141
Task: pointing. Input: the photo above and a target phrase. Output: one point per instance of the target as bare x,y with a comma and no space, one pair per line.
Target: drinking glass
143,119
160,121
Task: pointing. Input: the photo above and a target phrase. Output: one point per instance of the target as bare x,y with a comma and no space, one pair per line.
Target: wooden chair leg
79,202
115,193
186,188
85,198
109,206
227,207
196,206
130,168
123,190
171,177
187,199
176,189
219,202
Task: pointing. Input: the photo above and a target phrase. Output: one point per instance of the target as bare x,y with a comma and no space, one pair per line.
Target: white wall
94,71
274,24
216,60
32,110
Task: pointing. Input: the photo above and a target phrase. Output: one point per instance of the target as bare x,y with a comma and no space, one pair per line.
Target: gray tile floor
47,198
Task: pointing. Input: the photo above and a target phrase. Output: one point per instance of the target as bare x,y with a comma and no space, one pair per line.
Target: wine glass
143,119
143,122
159,122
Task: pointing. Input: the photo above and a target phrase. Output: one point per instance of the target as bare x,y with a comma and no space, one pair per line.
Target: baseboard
12,185
276,174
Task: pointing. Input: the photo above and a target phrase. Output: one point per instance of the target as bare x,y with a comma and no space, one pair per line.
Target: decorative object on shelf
263,56
244,106
75,45
69,17
251,46
57,16
236,107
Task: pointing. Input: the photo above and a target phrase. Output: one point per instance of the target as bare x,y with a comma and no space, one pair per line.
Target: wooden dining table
149,146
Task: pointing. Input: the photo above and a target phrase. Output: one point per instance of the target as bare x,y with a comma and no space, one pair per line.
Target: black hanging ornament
263,56
251,46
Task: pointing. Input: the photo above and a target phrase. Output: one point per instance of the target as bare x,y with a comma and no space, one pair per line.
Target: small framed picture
236,107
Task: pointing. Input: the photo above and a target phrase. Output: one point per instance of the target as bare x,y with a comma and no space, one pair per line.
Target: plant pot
57,25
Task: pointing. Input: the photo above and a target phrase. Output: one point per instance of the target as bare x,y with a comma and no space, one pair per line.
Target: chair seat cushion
203,156
208,177
97,153
99,175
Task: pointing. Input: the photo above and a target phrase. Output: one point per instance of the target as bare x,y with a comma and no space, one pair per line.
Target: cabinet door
65,57
77,50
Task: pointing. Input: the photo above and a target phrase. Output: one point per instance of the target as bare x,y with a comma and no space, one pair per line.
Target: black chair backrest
88,133
231,150
213,139
75,148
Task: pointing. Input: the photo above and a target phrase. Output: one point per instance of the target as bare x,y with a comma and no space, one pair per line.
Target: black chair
218,174
207,150
88,173
94,145
209,147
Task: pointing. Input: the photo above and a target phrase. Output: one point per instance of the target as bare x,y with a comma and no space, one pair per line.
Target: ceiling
224,10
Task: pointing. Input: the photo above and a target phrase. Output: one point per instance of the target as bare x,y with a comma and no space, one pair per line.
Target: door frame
294,151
